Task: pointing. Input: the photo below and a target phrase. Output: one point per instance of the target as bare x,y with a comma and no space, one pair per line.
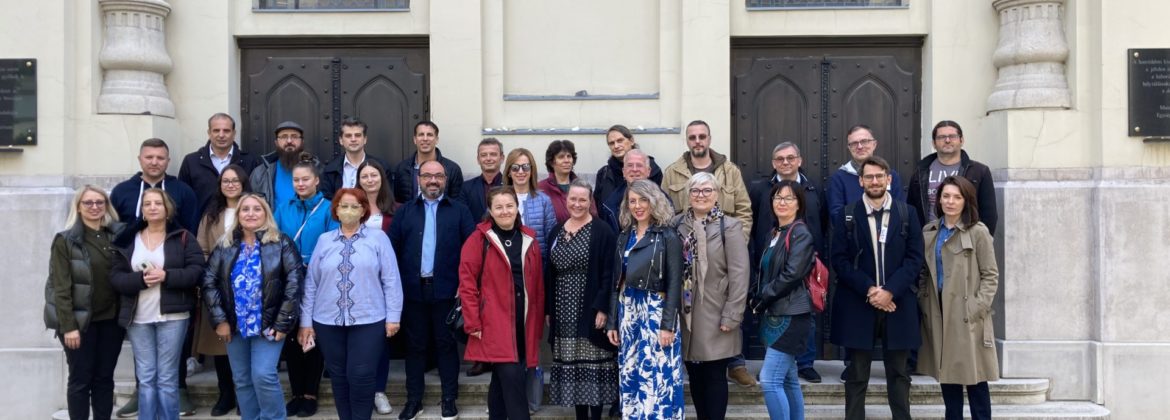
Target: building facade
1041,88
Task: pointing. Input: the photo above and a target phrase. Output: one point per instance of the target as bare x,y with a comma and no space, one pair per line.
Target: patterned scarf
691,251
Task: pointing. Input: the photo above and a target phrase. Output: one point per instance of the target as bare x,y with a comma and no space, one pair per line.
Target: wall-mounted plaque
1149,92
18,102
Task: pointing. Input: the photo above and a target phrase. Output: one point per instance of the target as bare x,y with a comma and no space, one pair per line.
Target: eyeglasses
235,181
521,167
432,177
697,137
93,203
701,192
874,177
948,137
860,143
289,137
786,159
784,199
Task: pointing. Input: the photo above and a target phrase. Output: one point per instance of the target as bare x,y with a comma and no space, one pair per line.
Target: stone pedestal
1031,56
134,58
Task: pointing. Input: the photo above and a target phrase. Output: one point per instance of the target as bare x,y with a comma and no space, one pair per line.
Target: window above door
331,5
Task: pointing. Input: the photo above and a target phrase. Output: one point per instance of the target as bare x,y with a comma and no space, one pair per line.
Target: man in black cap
273,176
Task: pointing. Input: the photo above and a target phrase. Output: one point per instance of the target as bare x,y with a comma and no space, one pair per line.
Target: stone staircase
1011,398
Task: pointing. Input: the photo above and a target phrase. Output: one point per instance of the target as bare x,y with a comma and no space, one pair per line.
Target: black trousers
304,369
351,355
897,377
709,388
223,378
423,322
507,396
91,370
978,396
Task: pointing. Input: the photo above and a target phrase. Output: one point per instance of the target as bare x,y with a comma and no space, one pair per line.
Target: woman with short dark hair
955,293
559,159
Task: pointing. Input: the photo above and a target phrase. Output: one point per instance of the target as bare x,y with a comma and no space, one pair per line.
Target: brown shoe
478,368
740,375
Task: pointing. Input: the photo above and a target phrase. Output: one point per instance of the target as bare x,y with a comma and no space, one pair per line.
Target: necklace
508,242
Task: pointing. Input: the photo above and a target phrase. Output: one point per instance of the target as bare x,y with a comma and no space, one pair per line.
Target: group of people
251,260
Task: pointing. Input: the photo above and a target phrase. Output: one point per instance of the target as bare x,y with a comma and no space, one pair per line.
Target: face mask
349,216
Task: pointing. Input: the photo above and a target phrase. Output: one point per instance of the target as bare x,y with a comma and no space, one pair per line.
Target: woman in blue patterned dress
251,290
646,303
352,302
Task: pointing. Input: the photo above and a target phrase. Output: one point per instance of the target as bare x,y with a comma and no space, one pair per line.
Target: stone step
473,390
1072,410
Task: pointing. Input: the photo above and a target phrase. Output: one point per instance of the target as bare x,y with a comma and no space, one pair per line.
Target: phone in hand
309,345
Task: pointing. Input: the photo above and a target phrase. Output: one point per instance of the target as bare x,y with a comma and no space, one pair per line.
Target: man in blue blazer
878,255
425,229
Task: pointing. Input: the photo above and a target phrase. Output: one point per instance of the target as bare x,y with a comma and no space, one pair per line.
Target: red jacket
492,308
559,198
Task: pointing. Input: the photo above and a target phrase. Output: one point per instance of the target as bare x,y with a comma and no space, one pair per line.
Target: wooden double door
320,83
810,92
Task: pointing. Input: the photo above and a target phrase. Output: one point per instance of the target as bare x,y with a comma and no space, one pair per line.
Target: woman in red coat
502,291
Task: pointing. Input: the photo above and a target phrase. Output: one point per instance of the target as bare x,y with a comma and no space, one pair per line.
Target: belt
426,281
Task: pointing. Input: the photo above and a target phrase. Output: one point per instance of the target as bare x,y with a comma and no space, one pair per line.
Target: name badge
882,234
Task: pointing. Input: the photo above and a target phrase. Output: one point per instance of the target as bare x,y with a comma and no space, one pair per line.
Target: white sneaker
193,366
382,404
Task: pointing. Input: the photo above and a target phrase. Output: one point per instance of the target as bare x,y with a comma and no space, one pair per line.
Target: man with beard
428,227
273,176
878,256
733,195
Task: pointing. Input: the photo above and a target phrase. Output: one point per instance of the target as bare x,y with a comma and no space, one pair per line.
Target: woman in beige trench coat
715,283
955,294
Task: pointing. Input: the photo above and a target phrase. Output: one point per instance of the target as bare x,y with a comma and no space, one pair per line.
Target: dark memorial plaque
18,102
1149,92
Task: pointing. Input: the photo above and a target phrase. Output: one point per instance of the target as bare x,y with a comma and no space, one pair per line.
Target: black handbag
455,317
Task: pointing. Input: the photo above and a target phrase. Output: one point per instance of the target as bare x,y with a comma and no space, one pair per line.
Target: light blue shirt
352,281
429,237
944,233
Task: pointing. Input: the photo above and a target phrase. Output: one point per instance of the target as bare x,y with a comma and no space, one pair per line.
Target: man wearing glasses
733,197
426,228
844,187
272,178
786,163
950,159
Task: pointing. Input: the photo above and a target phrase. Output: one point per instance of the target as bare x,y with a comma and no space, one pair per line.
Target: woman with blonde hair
155,274
251,288
645,306
82,307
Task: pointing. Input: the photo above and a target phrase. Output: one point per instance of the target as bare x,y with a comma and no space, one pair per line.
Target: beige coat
733,193
204,341
719,292
958,338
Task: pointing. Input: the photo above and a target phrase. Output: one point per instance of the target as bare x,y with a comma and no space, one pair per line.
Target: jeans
709,388
781,386
91,370
157,347
258,391
351,355
806,359
978,395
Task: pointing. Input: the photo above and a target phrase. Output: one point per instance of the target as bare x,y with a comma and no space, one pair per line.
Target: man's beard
871,196
289,159
699,154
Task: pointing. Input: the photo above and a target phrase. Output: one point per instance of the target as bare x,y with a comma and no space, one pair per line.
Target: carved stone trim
1031,56
134,58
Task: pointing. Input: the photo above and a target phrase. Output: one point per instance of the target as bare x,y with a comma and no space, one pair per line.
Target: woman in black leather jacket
782,302
252,291
646,305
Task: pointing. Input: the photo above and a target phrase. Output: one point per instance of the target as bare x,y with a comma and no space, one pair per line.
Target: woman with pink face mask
352,301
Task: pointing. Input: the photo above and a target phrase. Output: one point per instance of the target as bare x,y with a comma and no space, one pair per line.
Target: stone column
1031,56
134,58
